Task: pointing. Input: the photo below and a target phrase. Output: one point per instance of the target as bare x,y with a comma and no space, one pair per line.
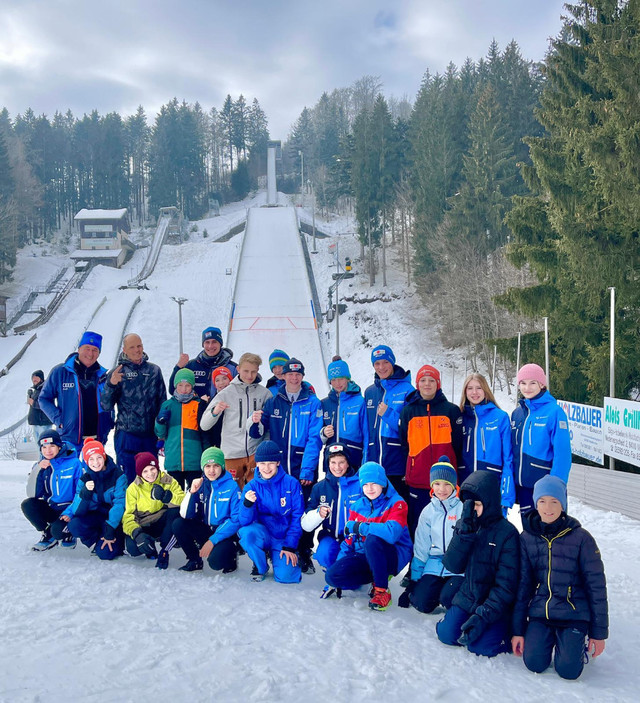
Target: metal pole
493,370
453,381
338,299
546,349
315,251
518,354
301,155
612,357
181,302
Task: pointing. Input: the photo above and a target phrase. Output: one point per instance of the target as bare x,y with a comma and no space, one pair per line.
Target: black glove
352,528
162,562
158,493
468,522
146,544
471,630
108,532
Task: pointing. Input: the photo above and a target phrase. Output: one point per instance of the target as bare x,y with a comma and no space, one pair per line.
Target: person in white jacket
236,403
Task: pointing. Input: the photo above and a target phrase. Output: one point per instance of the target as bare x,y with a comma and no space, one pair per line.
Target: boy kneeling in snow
485,546
329,504
272,505
377,540
98,506
562,596
58,475
208,526
153,502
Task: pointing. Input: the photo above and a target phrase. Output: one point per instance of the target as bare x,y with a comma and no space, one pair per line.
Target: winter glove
162,562
108,532
468,522
158,493
146,544
352,528
472,629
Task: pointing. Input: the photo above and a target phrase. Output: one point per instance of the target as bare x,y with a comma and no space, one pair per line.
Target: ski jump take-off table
273,306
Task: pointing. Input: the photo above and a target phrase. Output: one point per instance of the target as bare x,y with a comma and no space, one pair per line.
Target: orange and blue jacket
179,425
429,429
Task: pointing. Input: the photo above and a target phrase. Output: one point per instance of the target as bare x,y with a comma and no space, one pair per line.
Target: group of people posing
410,479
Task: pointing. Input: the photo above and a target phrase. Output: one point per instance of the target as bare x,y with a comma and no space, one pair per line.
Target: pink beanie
532,372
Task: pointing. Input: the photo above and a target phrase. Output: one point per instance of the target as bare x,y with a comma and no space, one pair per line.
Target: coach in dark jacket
485,547
136,387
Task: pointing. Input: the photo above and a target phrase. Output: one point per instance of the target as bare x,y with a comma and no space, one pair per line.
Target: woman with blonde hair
486,433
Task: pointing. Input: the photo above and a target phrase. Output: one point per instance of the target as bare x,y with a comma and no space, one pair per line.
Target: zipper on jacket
339,509
569,598
475,441
384,395
522,444
289,441
484,448
549,543
240,413
337,424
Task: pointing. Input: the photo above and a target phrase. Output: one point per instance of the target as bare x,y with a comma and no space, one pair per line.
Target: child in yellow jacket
152,504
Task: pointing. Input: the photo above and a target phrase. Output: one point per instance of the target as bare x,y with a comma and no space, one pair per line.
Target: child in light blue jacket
431,584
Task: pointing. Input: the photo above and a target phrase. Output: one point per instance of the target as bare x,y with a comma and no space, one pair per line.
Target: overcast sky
113,55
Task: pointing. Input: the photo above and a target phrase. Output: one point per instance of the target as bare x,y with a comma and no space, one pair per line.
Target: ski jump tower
274,153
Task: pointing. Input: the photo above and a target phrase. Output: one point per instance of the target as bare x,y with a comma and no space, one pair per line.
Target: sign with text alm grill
586,429
622,430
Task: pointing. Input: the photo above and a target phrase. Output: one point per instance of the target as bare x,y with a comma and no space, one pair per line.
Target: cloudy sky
113,55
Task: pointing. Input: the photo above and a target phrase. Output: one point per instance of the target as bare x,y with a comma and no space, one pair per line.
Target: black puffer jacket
561,576
488,557
138,396
202,367
36,416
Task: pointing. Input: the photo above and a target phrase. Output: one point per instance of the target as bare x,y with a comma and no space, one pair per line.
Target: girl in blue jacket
540,436
58,475
431,583
270,512
330,502
343,413
486,436
95,515
208,524
377,542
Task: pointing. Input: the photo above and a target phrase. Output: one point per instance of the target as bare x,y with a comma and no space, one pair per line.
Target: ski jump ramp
273,306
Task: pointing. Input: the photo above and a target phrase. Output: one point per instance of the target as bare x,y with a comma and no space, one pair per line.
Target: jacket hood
222,358
352,389
532,523
241,384
449,502
399,374
485,487
109,468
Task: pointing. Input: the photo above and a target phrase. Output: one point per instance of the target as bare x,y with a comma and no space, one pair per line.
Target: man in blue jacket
384,400
71,395
272,505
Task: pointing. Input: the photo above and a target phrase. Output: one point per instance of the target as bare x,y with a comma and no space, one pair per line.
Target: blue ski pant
256,541
540,641
375,565
494,640
89,529
327,551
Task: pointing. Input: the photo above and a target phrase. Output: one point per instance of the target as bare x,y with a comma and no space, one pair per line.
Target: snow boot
406,580
256,575
192,565
381,599
69,541
162,562
306,564
46,542
329,591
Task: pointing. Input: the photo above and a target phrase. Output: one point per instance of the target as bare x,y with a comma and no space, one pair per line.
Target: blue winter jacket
540,440
107,497
385,517
57,483
217,504
279,507
433,534
347,413
295,428
339,494
383,444
487,446
63,386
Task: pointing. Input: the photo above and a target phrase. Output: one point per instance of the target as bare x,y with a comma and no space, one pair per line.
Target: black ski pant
43,517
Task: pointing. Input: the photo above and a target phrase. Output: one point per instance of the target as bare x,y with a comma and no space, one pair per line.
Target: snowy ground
76,629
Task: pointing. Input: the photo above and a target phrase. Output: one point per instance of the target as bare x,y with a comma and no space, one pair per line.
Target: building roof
96,253
86,214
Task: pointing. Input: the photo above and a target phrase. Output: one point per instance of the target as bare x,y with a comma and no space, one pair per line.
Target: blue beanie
212,333
92,338
551,486
383,353
443,470
277,358
338,369
370,472
268,451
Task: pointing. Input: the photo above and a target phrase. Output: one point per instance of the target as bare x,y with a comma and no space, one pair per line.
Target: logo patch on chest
283,501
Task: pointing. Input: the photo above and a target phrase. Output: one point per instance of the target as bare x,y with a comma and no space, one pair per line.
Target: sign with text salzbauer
585,427
622,430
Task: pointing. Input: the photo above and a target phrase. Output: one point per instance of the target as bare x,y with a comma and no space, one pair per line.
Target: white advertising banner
622,430
586,428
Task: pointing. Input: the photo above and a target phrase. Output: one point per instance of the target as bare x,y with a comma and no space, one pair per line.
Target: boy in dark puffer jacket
562,596
485,547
